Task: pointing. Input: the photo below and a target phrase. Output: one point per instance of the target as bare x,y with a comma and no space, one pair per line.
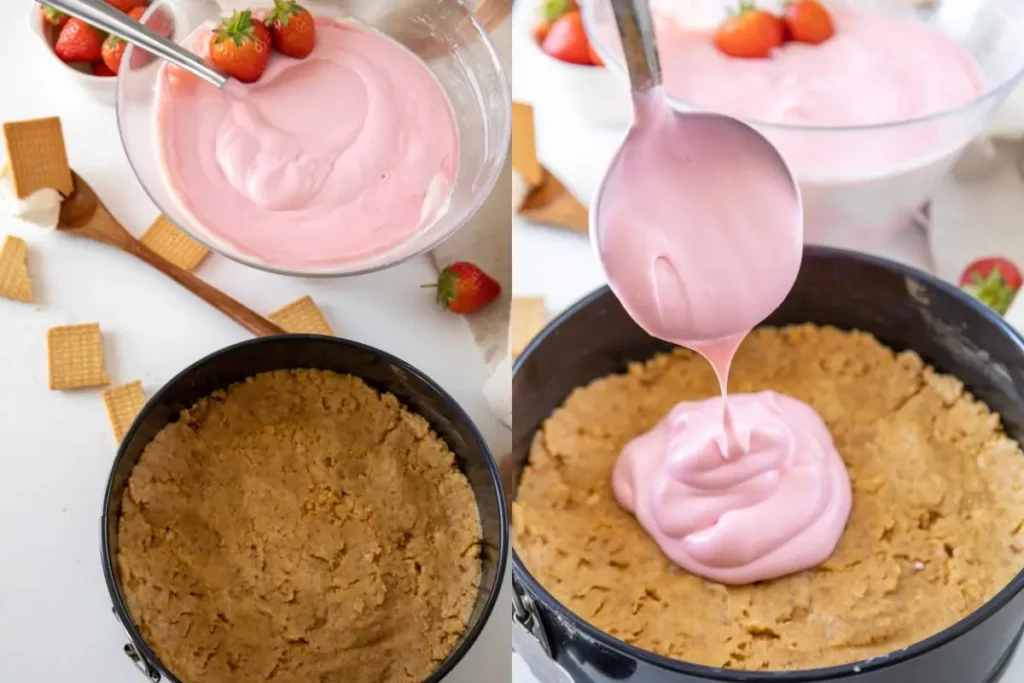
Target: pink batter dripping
701,237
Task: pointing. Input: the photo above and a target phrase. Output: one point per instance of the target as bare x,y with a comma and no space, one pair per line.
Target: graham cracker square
528,318
524,144
123,403
14,281
164,238
37,157
75,354
301,317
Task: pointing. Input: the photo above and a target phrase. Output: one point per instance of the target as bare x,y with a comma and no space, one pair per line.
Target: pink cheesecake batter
701,239
330,160
777,507
877,68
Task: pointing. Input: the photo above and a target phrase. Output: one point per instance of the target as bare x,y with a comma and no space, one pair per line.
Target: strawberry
137,12
292,28
79,42
126,5
113,50
53,17
566,40
807,21
262,33
240,48
994,281
101,69
595,58
463,288
750,33
540,32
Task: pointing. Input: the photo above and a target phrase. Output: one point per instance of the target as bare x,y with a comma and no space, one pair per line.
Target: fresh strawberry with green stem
53,17
994,281
548,12
113,51
292,28
749,33
240,47
463,288
566,40
79,42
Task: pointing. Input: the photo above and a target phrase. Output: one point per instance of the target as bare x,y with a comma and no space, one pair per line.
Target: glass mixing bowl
863,183
443,33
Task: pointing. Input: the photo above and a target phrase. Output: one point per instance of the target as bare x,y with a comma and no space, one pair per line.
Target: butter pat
41,208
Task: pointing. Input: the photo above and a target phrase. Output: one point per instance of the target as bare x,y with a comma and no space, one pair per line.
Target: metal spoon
683,185
105,17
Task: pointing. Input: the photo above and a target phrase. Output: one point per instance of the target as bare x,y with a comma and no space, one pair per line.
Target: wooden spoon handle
245,317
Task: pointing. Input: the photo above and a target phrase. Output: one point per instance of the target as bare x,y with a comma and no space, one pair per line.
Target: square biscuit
164,238
301,316
14,280
123,404
75,354
528,318
524,144
37,157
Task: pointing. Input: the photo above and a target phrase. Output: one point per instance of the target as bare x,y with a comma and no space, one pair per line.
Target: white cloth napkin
487,242
979,209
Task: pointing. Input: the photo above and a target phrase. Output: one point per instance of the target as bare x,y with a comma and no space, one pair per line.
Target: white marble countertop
55,615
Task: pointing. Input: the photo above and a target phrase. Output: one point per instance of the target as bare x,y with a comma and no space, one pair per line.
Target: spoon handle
105,17
244,316
636,31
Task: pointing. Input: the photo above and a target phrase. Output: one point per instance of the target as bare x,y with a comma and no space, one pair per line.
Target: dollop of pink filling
336,158
776,507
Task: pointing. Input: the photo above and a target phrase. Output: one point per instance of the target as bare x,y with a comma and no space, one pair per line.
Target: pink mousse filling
330,160
877,69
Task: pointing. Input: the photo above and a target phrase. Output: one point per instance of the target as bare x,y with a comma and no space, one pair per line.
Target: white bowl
594,94
100,88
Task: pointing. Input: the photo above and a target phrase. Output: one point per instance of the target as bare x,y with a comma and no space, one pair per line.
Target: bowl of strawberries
87,56
568,68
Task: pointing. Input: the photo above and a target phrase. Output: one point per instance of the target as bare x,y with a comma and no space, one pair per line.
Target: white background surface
56,449
558,264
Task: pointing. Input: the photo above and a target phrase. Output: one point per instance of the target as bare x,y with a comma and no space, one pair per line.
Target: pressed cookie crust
299,527
934,532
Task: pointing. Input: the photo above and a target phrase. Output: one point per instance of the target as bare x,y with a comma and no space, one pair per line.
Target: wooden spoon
84,215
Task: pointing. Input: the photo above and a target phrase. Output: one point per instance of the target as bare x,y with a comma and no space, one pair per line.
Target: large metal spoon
105,17
697,222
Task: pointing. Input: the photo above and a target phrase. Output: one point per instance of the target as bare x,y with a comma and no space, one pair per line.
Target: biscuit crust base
935,529
299,527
